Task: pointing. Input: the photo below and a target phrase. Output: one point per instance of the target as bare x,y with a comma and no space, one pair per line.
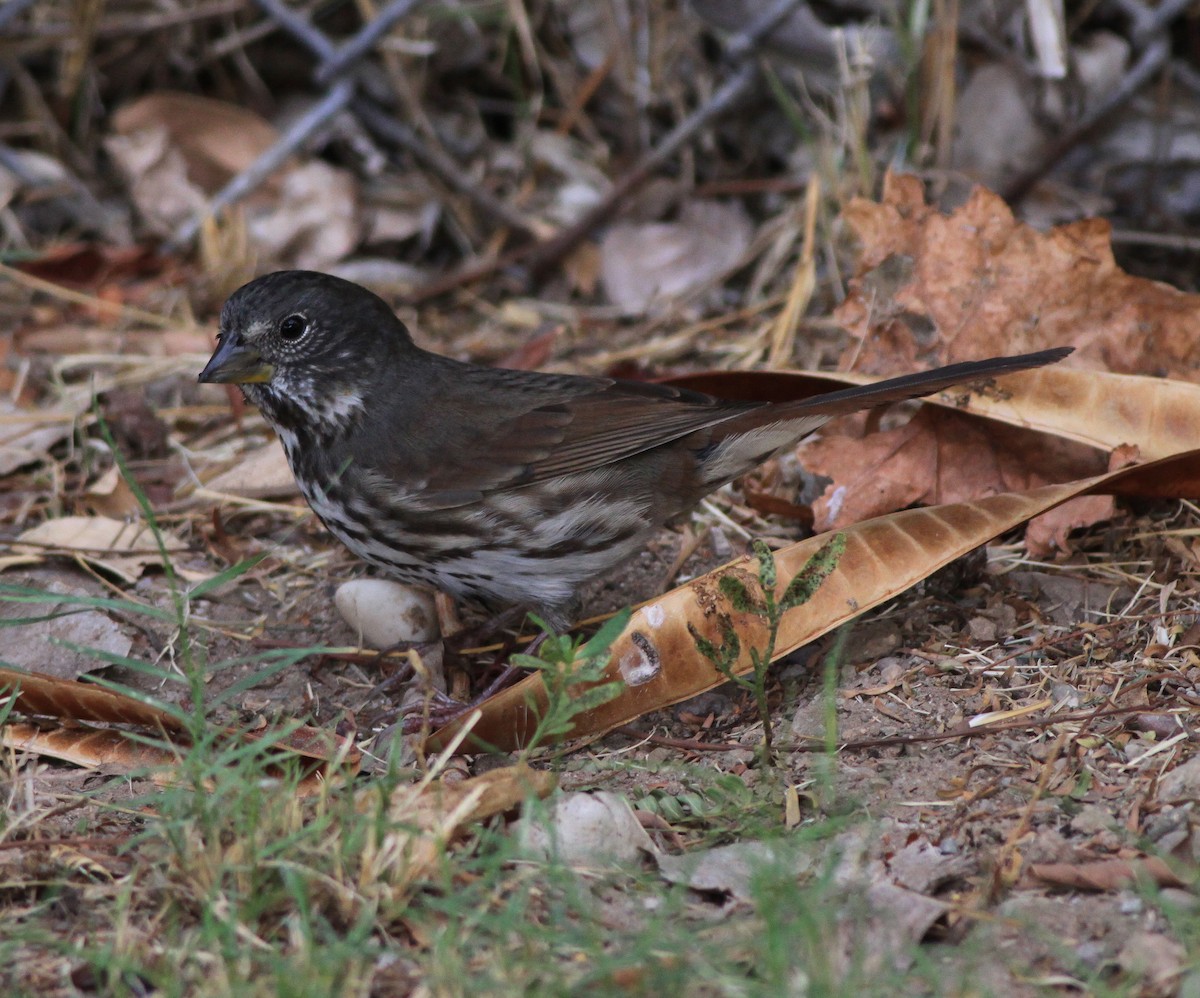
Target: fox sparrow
503,487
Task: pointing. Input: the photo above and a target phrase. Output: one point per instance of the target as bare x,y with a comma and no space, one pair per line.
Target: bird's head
305,346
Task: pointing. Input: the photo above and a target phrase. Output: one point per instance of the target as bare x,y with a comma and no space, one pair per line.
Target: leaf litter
936,792
1032,714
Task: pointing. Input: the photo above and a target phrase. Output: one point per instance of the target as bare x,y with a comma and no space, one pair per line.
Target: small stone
596,830
1130,904
982,629
1092,819
1176,897
1182,783
386,613
871,641
891,669
1155,959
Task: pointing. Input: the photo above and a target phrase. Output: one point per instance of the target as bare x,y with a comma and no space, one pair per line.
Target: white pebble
386,613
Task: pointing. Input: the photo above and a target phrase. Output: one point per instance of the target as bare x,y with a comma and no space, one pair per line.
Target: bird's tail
748,439
911,386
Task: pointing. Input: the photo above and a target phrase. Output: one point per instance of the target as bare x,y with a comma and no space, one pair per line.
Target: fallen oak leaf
934,288
124,549
937,458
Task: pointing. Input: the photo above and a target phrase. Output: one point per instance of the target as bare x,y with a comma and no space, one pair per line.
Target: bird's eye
293,327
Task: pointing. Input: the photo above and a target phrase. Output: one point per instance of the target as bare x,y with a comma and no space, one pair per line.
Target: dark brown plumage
505,487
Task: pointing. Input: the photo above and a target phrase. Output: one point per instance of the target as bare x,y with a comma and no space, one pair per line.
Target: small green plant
770,608
573,671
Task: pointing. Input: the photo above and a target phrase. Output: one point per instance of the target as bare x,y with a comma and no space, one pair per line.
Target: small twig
236,41
335,61
79,298
1162,240
11,160
741,47
334,65
538,257
1002,868
1149,21
122,25
665,741
747,40
299,28
1032,724
72,841
545,254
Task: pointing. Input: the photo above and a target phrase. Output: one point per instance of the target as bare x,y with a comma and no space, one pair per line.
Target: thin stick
79,298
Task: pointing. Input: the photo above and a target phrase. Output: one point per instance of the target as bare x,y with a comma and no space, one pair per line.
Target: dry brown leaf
110,496
216,139
641,264
124,549
39,695
1154,416
943,458
1049,533
26,435
87,747
120,751
177,150
314,221
937,457
936,288
262,473
426,815
44,696
472,800
656,655
1108,874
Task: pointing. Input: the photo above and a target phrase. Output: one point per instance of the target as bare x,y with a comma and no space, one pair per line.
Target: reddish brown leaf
1108,874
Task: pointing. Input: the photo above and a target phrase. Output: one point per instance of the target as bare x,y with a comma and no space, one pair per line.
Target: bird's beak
234,362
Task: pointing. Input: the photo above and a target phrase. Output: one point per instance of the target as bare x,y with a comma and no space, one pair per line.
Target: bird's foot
437,709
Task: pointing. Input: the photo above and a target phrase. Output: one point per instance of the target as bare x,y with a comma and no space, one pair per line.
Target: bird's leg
449,649
431,706
417,652
438,709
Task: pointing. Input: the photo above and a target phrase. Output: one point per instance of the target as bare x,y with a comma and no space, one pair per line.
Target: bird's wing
546,426
573,433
